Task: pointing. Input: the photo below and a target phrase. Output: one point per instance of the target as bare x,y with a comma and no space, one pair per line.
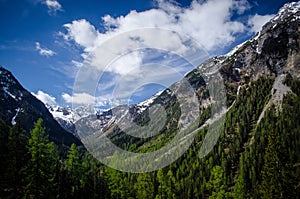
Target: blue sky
51,44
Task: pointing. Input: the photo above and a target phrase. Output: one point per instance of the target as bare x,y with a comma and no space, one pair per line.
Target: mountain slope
17,104
257,154
273,52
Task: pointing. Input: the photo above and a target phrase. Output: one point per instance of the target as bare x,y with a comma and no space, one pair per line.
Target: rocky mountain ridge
68,118
19,105
274,51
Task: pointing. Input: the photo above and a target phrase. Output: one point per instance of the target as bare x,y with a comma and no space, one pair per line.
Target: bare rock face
273,51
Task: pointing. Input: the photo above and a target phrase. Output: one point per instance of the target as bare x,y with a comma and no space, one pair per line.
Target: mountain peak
286,11
17,104
290,7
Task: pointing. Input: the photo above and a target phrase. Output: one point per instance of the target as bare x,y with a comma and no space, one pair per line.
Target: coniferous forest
250,160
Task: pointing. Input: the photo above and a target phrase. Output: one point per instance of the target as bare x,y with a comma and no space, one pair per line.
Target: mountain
271,52
17,104
88,116
257,154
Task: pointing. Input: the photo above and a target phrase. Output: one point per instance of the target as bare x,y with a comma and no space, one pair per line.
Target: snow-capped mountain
142,106
286,11
69,118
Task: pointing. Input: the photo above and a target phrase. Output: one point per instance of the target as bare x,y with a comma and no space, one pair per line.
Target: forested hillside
250,160
256,156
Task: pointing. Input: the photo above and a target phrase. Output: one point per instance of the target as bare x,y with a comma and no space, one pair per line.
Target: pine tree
4,177
271,186
144,186
162,185
171,185
215,183
40,170
73,167
239,188
117,182
16,151
92,183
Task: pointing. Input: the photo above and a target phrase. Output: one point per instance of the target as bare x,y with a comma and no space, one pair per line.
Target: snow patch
9,93
145,104
238,91
235,49
257,36
238,70
63,113
13,120
289,8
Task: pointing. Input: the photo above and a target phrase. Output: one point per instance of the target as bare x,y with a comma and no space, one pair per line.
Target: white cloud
126,64
78,98
77,63
257,21
53,6
82,32
87,99
208,24
44,51
241,6
45,98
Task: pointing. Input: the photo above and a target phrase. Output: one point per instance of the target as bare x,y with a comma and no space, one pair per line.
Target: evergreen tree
40,170
73,167
4,177
171,185
16,152
239,188
117,182
92,182
144,186
215,183
162,185
271,186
